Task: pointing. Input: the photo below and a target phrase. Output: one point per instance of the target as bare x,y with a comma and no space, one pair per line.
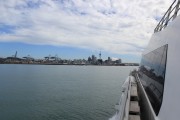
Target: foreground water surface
45,92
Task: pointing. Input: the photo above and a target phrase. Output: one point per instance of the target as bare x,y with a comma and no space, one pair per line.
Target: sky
75,29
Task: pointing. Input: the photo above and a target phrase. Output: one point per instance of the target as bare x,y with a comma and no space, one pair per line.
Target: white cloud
117,26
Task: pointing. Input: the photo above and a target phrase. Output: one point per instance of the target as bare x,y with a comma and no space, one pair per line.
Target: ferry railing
123,108
169,16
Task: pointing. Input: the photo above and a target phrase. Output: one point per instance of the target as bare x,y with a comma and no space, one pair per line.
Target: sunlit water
39,92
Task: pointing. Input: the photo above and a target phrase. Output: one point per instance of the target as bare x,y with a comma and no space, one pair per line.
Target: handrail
123,106
168,16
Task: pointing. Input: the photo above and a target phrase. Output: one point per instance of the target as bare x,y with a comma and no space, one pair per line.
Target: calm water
38,92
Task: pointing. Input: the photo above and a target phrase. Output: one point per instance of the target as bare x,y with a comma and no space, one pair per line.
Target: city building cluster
55,60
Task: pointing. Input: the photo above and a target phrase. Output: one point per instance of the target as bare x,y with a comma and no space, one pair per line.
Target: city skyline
39,52
78,28
56,60
62,56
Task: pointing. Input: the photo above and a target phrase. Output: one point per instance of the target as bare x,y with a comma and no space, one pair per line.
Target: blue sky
78,28
40,51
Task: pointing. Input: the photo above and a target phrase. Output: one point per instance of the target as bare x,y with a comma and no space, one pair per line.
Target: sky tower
15,56
100,55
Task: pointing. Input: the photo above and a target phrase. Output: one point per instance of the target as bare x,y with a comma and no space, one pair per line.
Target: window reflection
152,75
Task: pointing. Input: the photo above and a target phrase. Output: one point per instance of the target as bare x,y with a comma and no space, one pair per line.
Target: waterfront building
118,61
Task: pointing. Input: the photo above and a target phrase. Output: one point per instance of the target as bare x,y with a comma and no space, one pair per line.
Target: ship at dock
151,92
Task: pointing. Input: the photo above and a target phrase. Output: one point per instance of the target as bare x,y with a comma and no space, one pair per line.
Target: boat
151,92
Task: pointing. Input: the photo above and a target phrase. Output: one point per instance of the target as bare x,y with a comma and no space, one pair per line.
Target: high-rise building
118,61
94,58
89,59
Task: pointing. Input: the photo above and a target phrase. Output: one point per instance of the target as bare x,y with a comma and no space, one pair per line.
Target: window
152,75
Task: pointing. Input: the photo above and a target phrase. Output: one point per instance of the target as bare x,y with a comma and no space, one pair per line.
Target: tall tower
100,55
15,56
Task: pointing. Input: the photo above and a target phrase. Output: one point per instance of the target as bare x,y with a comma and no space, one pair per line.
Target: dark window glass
152,75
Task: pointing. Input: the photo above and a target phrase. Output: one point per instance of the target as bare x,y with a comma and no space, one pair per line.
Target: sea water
57,92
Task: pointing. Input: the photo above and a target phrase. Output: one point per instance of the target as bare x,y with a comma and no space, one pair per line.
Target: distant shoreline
123,64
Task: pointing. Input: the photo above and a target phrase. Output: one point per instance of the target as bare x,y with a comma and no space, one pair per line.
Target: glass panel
152,75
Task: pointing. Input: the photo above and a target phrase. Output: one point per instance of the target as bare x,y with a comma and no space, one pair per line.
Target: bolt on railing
169,16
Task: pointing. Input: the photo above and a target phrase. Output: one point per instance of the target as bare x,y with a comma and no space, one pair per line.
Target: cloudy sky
78,28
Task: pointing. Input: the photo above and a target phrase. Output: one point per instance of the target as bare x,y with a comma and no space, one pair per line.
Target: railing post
161,25
176,10
167,18
155,30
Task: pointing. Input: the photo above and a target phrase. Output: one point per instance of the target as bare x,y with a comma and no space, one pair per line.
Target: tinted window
152,75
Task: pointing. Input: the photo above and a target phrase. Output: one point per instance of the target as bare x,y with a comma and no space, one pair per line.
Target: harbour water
49,92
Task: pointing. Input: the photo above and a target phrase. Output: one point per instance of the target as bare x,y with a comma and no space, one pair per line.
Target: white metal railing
170,15
124,101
